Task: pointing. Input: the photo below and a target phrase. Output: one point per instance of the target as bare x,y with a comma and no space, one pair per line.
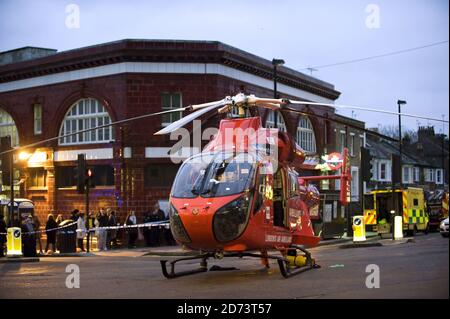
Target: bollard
398,227
14,240
359,229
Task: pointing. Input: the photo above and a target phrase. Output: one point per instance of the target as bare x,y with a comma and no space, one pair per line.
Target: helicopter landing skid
172,274
288,270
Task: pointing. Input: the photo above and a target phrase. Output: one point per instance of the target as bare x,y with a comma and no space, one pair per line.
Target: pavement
162,250
406,269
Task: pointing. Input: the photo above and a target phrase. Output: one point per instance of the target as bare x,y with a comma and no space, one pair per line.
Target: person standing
132,231
147,230
112,222
81,230
156,216
37,228
3,231
102,221
74,215
50,230
59,219
28,238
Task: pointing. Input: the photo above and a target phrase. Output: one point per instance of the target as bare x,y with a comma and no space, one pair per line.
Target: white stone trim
164,152
158,67
91,154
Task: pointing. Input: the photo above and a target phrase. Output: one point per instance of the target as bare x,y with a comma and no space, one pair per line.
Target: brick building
45,93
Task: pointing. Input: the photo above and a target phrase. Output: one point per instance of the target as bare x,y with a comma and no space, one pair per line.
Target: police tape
166,225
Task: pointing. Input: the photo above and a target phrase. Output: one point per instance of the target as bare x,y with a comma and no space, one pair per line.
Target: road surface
408,270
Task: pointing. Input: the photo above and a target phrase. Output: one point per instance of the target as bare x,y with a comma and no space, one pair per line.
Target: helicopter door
278,199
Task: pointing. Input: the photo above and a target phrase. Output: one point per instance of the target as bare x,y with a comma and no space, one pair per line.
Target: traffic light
81,173
90,178
366,164
5,145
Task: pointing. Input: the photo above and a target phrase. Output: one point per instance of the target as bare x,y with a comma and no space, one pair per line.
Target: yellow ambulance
378,205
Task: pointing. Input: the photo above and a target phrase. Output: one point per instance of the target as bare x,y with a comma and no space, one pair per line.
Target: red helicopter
242,194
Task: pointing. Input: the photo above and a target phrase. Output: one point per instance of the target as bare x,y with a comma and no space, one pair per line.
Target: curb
19,260
343,240
361,244
171,254
68,255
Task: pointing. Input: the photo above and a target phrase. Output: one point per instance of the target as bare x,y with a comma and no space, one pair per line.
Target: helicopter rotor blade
364,109
200,109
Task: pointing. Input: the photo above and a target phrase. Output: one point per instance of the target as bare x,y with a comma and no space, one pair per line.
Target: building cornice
162,51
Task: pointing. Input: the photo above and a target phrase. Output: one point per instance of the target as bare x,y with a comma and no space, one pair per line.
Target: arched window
270,121
85,114
305,135
8,127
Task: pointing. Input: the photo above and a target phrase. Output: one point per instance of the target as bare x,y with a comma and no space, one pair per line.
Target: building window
37,110
429,175
8,127
342,143
407,174
66,175
383,172
352,145
103,175
439,179
270,121
160,175
354,185
305,135
37,177
416,174
325,132
170,101
86,114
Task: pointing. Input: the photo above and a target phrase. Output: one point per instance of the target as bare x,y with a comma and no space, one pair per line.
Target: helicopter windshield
214,175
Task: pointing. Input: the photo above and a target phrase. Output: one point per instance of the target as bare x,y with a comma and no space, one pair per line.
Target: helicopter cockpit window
215,175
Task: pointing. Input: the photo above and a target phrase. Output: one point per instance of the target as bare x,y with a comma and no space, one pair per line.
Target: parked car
444,227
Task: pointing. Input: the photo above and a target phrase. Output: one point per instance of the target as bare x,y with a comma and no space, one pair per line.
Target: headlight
229,221
177,227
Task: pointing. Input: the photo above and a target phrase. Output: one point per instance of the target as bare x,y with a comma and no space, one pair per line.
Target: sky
303,33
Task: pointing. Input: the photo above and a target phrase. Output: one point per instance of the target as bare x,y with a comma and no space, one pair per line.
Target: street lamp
275,63
400,103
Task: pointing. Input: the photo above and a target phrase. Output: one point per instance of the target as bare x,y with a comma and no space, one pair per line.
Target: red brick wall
124,96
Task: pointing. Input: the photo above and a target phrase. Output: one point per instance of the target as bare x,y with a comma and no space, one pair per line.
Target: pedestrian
156,216
74,215
50,230
37,229
101,221
59,219
14,222
81,230
147,230
131,231
112,222
3,231
28,238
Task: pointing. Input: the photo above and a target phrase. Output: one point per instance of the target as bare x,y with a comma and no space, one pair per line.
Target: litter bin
14,242
66,238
